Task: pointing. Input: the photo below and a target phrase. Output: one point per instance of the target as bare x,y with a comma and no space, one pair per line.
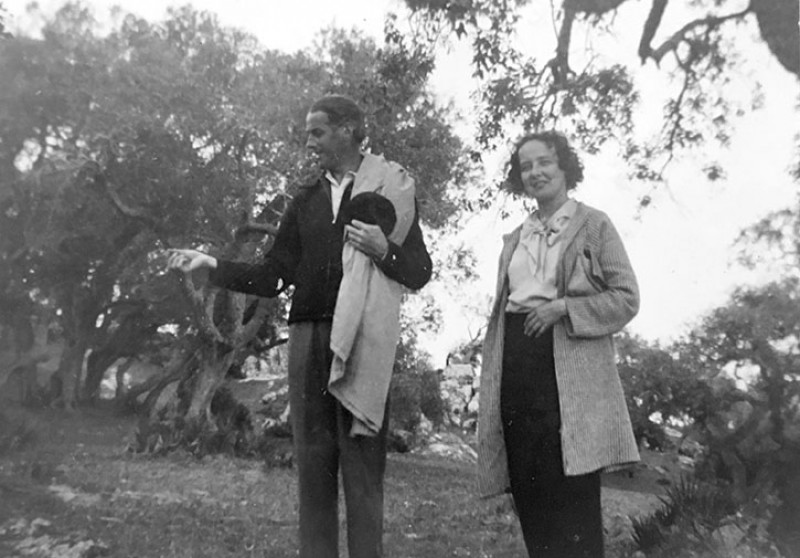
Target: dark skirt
560,516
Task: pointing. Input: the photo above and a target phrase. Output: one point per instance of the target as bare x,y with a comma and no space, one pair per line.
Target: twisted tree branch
203,310
677,38
560,64
251,227
252,326
650,28
268,346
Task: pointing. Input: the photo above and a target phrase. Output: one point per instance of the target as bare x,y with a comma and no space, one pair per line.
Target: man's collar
329,175
348,176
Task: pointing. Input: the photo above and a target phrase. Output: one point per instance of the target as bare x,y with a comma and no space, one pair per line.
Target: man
345,431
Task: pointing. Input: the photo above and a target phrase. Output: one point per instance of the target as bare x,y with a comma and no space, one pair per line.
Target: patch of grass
181,506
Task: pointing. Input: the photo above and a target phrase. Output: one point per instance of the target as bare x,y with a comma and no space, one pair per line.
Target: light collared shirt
532,271
338,188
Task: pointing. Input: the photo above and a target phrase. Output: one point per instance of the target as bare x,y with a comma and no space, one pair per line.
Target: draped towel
366,320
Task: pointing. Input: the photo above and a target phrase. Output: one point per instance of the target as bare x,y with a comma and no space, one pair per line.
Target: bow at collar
533,229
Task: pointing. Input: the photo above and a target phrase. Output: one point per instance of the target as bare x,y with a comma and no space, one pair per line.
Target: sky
681,246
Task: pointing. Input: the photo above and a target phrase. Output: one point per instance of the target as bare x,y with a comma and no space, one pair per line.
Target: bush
700,519
405,401
660,382
431,401
786,526
232,433
414,390
15,434
412,395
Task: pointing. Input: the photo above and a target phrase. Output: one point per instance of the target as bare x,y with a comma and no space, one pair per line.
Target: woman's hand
189,260
543,317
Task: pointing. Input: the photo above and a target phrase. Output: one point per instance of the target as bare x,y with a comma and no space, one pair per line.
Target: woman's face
541,176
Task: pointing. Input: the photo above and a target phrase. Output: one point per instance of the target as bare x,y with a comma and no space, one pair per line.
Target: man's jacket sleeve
409,264
271,276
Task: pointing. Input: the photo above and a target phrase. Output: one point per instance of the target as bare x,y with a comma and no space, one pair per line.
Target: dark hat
373,209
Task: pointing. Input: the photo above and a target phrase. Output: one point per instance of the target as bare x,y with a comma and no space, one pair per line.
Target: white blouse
532,271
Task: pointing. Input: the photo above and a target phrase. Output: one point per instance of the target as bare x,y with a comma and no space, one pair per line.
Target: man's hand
368,239
189,260
543,317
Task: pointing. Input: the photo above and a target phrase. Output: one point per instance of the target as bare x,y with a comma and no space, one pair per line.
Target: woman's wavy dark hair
568,160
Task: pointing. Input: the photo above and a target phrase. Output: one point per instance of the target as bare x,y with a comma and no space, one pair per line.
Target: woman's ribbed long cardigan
596,279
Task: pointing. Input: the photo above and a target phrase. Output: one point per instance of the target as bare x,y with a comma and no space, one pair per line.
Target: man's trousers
323,447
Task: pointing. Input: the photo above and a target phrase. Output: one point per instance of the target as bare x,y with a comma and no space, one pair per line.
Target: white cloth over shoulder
366,321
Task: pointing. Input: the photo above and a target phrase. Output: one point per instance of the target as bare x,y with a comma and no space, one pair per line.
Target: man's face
326,141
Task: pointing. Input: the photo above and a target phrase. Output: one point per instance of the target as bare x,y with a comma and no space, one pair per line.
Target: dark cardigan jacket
307,253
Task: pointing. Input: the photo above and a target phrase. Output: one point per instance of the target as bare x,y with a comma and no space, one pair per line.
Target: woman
552,410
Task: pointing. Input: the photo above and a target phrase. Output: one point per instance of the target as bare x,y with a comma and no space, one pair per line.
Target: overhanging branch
650,27
264,347
101,183
256,228
124,208
676,39
560,64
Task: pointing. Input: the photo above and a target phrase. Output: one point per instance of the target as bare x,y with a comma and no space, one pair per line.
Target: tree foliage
732,388
3,13
663,388
594,95
118,145
772,243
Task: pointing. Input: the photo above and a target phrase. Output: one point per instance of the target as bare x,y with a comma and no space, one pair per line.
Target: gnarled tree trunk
69,372
225,325
214,362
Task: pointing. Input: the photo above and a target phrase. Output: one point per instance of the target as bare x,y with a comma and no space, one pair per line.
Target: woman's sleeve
274,273
611,309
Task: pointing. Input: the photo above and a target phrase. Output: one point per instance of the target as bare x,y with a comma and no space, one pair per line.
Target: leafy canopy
581,88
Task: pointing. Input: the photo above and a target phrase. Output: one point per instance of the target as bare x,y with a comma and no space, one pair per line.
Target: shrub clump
703,520
15,434
232,432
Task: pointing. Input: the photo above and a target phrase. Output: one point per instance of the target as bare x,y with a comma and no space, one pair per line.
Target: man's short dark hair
342,110
568,160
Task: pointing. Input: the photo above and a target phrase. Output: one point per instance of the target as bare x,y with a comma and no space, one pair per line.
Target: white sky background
680,245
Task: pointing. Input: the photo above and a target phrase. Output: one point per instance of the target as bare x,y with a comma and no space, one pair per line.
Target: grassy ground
76,493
